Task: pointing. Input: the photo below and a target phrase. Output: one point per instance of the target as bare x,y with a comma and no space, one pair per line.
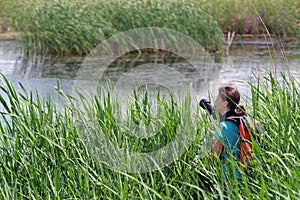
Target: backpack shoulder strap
243,125
233,119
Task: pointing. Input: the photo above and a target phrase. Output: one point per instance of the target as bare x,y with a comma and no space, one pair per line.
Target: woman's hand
217,149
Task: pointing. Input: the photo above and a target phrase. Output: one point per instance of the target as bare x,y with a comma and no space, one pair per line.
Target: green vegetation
74,27
243,17
44,156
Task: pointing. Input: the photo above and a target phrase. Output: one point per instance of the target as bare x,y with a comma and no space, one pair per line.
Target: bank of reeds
246,17
75,27
64,27
44,156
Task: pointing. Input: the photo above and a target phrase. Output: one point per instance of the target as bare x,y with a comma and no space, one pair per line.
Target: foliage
44,156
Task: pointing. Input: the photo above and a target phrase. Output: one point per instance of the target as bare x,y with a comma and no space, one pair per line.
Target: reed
75,27
44,156
65,27
281,18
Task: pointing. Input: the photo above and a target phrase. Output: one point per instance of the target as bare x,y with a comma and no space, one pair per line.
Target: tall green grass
76,27
44,156
243,17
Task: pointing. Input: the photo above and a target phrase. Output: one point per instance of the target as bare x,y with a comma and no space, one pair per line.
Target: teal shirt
229,137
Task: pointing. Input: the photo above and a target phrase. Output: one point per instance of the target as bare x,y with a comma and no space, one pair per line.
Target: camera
206,105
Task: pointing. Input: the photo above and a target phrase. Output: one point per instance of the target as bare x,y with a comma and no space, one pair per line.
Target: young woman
226,145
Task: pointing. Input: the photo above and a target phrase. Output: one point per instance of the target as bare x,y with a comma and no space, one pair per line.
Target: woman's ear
225,104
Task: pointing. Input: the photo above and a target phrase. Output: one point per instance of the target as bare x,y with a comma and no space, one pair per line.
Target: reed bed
247,17
65,27
75,27
44,156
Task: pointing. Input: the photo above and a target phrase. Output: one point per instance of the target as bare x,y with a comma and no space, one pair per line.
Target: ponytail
240,110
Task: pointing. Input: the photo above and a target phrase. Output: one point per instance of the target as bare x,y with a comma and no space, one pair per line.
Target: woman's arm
217,149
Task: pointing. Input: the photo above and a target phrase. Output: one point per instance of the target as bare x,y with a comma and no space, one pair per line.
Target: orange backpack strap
245,129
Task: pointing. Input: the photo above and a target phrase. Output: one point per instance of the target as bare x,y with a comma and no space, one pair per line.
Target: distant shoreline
11,35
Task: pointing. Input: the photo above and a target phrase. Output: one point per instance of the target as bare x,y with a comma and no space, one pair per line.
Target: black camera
206,105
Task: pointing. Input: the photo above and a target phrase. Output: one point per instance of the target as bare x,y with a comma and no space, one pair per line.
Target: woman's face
220,104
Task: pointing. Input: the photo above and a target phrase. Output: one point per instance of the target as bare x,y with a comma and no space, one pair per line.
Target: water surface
244,61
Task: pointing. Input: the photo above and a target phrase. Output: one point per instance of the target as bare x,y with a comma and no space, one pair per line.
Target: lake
245,60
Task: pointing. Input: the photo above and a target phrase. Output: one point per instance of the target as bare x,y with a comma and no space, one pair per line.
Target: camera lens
205,104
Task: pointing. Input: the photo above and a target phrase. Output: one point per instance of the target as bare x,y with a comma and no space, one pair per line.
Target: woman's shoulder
229,129
228,125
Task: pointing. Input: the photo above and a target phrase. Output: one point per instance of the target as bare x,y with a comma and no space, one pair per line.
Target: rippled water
244,61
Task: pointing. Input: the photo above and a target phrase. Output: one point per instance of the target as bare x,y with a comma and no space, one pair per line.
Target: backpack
249,131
